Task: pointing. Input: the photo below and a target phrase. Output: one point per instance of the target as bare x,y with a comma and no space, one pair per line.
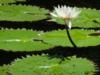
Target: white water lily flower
66,13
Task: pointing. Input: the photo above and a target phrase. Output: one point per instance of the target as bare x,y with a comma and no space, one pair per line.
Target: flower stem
68,34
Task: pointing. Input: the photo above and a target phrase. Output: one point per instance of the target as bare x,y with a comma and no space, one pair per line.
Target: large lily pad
43,65
22,13
28,40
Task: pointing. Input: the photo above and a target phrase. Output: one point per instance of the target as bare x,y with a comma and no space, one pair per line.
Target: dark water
92,52
79,3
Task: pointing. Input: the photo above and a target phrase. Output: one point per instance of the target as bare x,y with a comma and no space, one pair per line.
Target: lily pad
43,65
22,40
22,13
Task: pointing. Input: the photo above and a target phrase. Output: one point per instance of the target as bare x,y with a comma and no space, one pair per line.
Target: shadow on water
49,4
91,52
38,25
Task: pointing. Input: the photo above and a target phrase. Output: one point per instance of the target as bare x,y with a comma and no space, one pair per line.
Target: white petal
69,24
76,13
59,11
54,15
65,12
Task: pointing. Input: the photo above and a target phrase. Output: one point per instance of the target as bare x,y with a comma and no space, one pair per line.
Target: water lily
66,13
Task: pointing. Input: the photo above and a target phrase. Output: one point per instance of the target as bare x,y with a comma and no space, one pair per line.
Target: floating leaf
43,65
4,70
81,38
79,66
22,40
22,13
28,40
9,1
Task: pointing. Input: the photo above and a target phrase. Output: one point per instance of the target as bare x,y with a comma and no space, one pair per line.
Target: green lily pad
22,13
28,40
43,65
9,1
81,38
4,70
22,40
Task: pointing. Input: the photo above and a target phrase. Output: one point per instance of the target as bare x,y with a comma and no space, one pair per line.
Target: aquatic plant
43,65
67,14
9,1
32,40
22,13
17,40
89,18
